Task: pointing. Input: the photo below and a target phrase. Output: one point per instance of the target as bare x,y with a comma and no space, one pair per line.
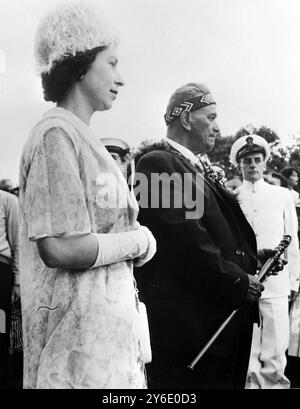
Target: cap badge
249,141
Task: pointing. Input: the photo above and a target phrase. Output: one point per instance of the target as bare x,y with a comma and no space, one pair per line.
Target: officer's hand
278,266
255,288
264,254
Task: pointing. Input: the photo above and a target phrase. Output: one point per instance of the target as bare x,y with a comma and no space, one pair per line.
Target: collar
256,186
66,114
184,151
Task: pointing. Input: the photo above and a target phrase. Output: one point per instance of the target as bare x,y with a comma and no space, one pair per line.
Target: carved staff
265,272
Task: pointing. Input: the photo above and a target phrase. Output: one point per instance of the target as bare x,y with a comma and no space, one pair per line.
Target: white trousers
269,343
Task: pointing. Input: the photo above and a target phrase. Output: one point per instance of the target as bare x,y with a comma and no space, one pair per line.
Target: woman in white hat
79,235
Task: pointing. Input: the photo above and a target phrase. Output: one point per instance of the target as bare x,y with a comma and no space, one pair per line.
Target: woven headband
191,105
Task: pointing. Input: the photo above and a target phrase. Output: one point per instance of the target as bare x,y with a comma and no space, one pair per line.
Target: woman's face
293,179
101,83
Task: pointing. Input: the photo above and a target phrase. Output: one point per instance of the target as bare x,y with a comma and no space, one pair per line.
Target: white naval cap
249,144
116,145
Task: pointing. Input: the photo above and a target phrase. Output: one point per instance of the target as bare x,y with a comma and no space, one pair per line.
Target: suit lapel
211,184
187,162
226,197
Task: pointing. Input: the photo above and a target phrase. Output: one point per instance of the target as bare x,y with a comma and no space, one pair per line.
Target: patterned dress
79,326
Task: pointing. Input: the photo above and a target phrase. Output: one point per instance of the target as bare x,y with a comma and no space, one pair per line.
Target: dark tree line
281,156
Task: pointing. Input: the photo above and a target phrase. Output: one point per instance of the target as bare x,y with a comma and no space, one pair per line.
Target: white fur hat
70,28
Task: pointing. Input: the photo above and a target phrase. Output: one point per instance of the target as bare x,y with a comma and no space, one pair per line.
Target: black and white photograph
149,197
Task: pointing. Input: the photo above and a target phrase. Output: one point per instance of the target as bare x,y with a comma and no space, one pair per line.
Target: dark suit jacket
197,277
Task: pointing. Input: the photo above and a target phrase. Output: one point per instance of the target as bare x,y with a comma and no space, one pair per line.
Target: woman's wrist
116,247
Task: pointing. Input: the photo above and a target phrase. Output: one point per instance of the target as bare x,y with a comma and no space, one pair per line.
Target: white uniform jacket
271,212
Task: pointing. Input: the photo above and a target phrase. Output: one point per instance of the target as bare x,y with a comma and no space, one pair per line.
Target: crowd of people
125,262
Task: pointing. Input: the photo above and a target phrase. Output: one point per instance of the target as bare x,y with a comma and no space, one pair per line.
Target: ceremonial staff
265,272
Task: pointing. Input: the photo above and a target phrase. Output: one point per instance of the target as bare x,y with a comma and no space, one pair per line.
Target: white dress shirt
271,212
295,195
185,152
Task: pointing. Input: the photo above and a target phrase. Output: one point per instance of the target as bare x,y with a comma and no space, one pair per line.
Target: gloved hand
151,249
116,247
138,245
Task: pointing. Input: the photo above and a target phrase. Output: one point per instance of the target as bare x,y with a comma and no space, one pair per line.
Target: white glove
151,250
115,247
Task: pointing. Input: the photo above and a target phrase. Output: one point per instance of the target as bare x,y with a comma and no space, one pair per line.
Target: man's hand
255,289
264,254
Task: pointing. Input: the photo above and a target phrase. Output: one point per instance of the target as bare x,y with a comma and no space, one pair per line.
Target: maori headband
191,105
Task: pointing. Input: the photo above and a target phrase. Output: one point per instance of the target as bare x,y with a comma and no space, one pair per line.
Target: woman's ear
185,119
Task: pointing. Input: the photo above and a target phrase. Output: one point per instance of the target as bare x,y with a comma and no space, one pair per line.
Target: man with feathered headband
271,212
204,265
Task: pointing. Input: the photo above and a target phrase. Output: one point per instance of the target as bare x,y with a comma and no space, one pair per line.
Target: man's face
204,129
116,157
252,167
121,162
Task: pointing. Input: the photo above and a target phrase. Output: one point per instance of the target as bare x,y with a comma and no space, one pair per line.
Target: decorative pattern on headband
197,103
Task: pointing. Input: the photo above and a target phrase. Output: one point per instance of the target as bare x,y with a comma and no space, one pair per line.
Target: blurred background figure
9,276
275,178
293,356
121,153
291,175
294,161
15,372
9,186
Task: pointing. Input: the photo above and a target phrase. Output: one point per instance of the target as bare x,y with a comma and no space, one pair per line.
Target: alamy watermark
158,191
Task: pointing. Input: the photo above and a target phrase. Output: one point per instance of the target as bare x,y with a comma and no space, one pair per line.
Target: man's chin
210,147
205,149
254,179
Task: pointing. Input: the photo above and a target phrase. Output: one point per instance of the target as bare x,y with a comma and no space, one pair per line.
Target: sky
246,51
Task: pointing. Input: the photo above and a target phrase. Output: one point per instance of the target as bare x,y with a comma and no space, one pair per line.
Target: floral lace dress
79,326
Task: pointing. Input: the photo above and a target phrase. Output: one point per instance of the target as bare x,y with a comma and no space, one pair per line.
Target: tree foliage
280,157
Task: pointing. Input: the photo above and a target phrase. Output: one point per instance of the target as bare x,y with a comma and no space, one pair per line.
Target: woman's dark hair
64,73
287,172
282,178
